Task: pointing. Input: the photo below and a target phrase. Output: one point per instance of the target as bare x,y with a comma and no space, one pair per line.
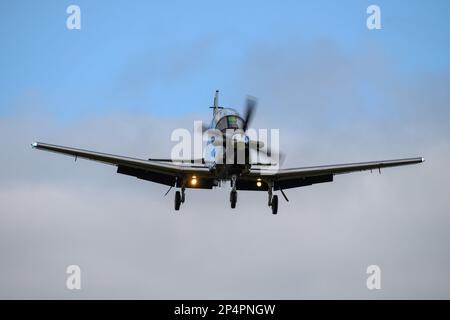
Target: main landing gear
179,198
274,204
273,199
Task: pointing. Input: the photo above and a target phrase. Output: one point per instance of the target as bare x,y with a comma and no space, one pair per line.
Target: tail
216,103
216,100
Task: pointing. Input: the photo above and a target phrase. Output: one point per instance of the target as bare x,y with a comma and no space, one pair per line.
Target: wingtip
34,144
423,159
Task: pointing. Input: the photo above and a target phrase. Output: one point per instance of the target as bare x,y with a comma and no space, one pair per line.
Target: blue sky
168,57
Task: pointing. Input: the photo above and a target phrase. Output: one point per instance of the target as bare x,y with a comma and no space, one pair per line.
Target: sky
337,91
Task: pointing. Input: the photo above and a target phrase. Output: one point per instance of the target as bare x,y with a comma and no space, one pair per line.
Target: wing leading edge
156,171
175,174
298,177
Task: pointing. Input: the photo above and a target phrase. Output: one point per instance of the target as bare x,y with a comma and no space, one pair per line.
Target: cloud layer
130,243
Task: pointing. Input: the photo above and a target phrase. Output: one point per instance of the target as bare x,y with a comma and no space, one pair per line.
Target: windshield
227,118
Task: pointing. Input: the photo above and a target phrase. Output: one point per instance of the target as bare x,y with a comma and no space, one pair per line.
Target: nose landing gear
233,199
272,199
233,193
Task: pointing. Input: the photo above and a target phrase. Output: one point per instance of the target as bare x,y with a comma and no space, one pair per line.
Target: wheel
177,200
275,204
233,199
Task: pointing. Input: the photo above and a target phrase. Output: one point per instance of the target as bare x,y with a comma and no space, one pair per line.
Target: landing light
194,180
258,183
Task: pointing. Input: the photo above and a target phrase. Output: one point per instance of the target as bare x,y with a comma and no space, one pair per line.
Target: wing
168,173
298,177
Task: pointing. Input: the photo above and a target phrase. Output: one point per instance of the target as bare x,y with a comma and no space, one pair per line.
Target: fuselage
226,149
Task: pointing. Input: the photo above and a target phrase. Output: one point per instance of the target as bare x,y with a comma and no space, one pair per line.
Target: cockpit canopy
227,118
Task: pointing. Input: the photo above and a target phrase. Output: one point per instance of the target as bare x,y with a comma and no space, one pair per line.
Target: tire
233,199
275,204
177,200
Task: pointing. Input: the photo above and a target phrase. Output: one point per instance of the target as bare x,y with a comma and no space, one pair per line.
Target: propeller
249,111
250,107
241,134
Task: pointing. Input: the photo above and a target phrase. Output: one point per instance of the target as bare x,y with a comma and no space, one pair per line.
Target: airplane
209,172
